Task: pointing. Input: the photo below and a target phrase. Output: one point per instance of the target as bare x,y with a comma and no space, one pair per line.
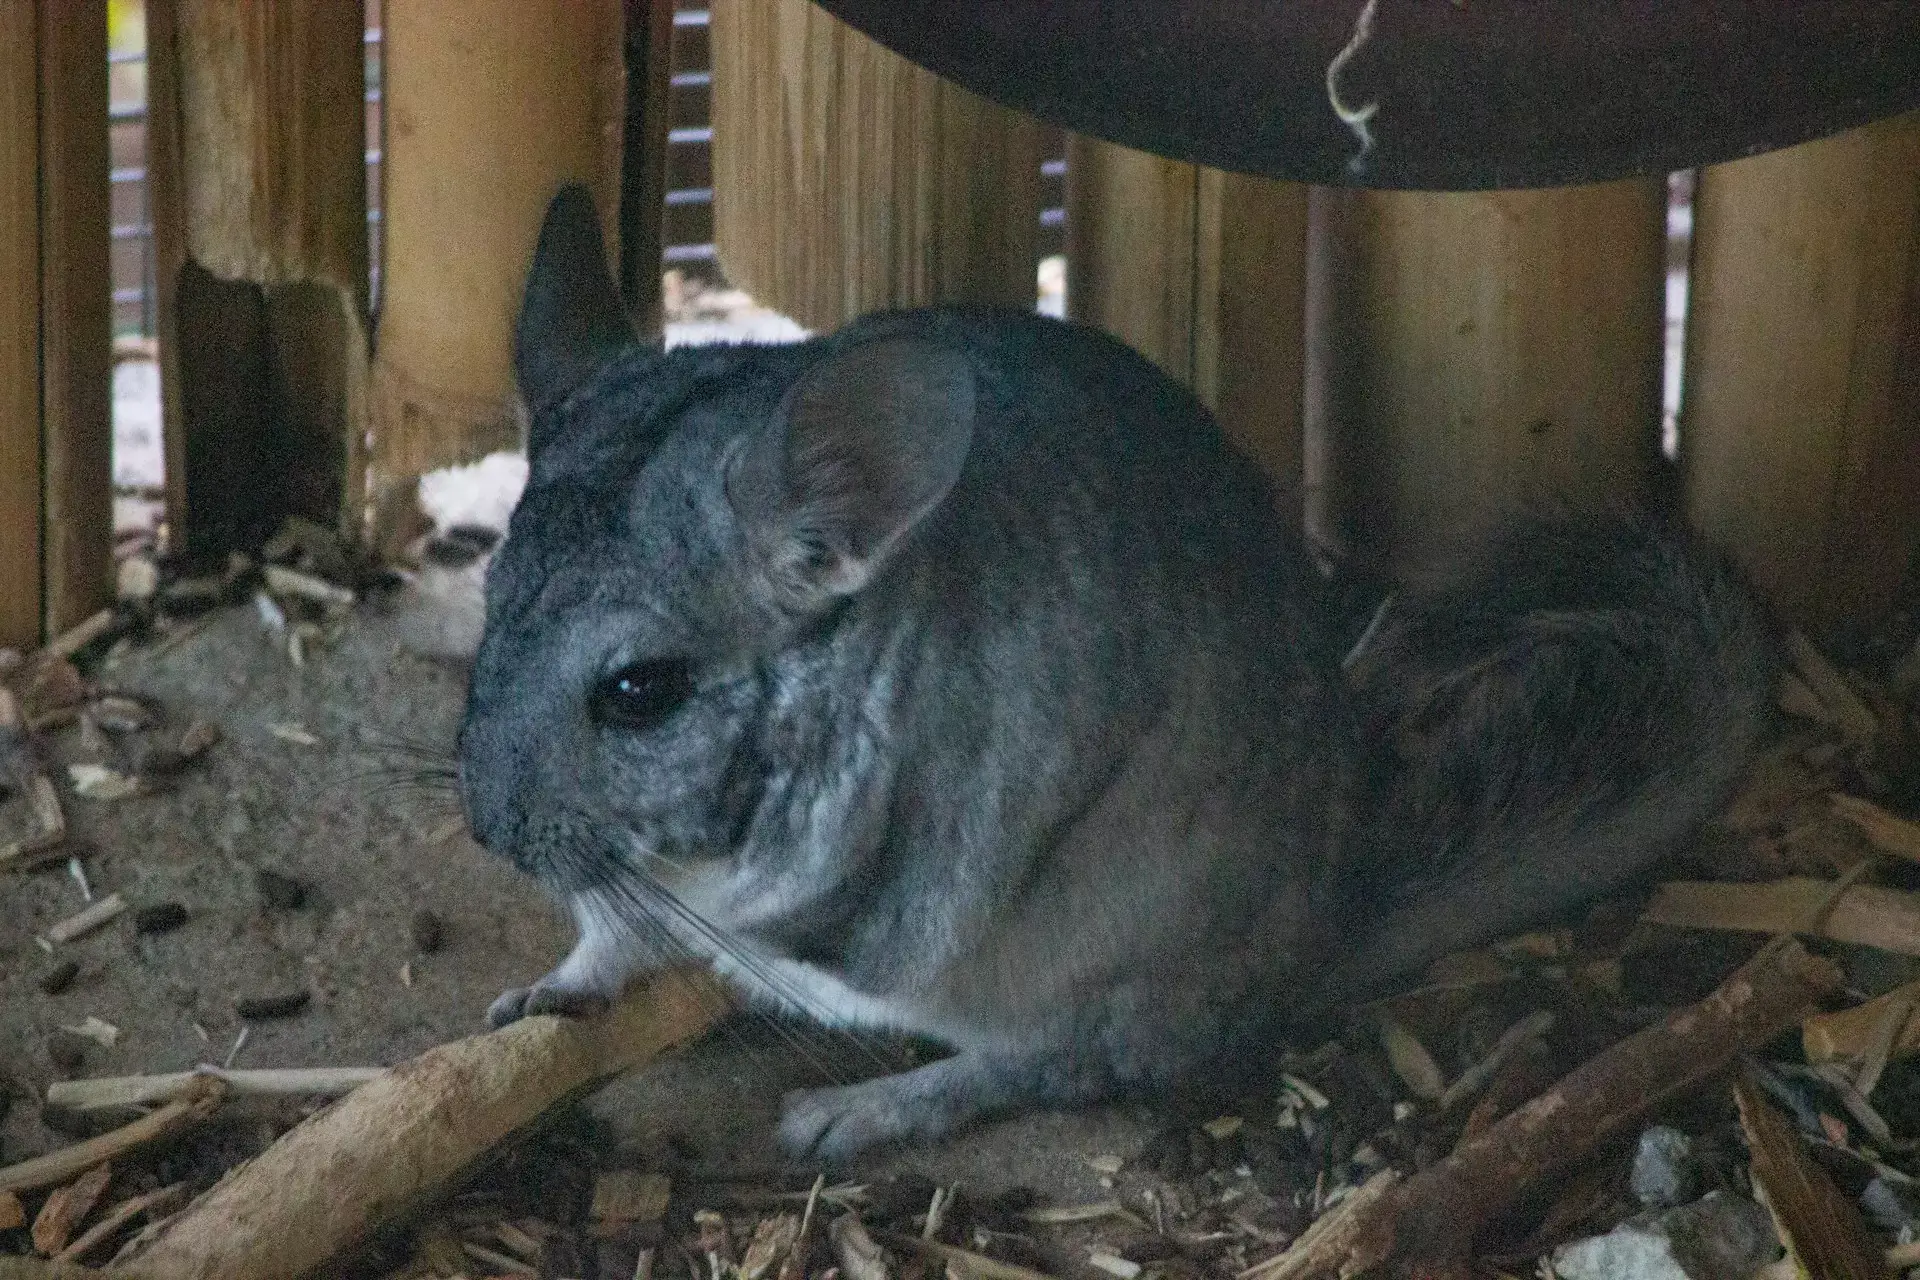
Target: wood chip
773,1239
1818,1223
109,1093
77,638
86,921
1864,914
859,1255
500,1262
622,1197
1113,1264
1850,1032
1849,713
1886,832
67,1207
30,851
60,1166
13,1214
1410,1061
154,1203
967,1264
98,782
196,739
1511,1041
283,581
294,733
98,1030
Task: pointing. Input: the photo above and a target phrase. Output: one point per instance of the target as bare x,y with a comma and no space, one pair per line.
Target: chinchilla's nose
491,767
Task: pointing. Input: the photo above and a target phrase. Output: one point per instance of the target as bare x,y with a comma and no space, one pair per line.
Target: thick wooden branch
395,1140
1426,1224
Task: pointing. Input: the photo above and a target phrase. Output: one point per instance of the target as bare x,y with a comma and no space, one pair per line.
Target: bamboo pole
491,105
76,321
1474,353
1204,273
257,151
847,179
1802,387
19,327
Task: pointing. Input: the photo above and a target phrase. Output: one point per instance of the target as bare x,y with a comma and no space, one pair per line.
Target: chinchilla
952,675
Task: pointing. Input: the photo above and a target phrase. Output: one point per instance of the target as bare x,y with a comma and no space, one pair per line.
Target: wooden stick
333,1178
1889,833
1865,914
968,1263
108,1092
1849,1033
69,1162
77,638
1428,1222
83,922
1823,1231
45,803
160,1199
1824,679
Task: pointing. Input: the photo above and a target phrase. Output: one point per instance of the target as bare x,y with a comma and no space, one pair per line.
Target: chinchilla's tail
1543,729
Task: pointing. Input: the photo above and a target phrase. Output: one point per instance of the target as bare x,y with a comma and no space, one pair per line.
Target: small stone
66,1056
1893,1206
1720,1237
60,977
1664,1170
429,932
283,1004
160,917
277,890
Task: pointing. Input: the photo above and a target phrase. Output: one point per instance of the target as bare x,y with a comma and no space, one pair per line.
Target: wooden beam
257,142
1204,273
491,106
76,313
1475,353
847,179
20,608
643,168
1802,393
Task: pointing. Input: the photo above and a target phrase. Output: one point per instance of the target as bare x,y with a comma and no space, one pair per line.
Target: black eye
641,695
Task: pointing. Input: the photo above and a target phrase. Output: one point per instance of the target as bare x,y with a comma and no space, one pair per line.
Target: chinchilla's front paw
545,996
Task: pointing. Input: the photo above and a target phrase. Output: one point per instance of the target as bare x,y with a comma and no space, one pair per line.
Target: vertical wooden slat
20,611
643,168
1800,432
1477,353
76,299
491,106
257,149
847,179
1204,273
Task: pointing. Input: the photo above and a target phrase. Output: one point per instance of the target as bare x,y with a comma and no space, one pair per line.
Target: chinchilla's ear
864,446
572,322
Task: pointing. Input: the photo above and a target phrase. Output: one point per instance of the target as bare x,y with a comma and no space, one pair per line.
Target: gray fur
1016,719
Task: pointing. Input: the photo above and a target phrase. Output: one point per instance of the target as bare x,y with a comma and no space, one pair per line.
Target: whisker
767,976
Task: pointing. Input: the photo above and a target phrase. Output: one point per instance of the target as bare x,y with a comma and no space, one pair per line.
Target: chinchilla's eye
642,694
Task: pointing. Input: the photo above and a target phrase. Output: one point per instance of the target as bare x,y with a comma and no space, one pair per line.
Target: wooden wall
55,358
848,179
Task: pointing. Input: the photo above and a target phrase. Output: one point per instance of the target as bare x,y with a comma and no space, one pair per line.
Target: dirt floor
371,852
